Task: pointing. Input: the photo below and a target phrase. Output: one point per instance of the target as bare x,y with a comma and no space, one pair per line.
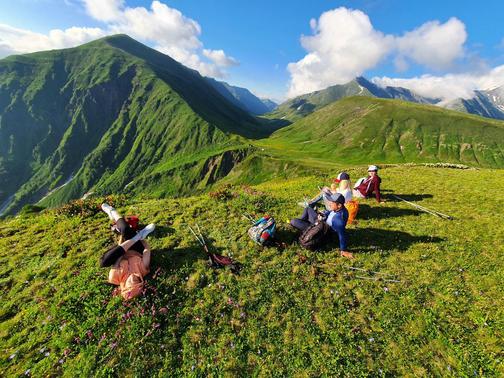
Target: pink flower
163,310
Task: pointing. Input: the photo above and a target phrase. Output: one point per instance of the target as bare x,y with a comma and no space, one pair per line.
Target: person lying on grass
365,187
129,266
336,218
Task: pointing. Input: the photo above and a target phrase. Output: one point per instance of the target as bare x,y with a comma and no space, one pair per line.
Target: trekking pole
202,239
433,212
201,242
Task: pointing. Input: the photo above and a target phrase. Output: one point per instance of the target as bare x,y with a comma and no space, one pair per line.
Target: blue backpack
263,230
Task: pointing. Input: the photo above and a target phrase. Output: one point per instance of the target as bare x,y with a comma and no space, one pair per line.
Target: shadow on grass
408,197
377,212
371,240
176,258
162,231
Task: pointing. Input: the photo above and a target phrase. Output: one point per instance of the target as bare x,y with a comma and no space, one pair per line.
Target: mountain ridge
102,113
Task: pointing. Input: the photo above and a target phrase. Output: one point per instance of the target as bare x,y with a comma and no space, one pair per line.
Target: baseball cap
335,197
372,168
342,176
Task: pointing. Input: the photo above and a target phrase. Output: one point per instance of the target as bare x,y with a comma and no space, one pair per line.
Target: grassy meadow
290,312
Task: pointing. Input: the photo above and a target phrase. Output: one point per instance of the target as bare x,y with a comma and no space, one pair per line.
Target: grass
290,312
359,129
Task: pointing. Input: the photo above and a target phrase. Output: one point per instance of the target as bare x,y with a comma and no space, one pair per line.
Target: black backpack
314,236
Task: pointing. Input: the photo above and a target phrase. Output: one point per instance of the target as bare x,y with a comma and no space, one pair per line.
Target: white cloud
345,44
20,41
449,86
220,58
104,10
165,28
433,44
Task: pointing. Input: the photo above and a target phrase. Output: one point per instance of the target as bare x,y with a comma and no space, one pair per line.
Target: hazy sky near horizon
285,48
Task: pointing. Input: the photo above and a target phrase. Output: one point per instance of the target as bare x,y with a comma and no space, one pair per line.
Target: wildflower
66,352
12,356
89,334
27,372
371,339
163,310
156,325
385,289
113,345
61,360
42,350
47,354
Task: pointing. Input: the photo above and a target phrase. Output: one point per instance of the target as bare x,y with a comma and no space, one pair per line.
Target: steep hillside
241,97
270,104
303,105
434,308
105,115
363,129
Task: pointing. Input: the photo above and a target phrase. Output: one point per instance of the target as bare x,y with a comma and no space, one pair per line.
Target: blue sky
264,37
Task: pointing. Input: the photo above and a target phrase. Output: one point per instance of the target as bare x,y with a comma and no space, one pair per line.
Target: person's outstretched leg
111,212
112,255
308,218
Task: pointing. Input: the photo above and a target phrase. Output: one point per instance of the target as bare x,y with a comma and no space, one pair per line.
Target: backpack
314,236
352,207
263,231
133,221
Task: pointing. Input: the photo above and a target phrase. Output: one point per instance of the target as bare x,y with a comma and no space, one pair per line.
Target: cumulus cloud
344,44
449,86
104,10
220,58
433,44
165,28
20,41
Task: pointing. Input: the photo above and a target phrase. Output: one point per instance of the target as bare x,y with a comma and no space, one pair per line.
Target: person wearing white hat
365,187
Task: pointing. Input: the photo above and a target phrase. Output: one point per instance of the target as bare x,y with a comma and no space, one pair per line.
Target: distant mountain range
115,116
243,98
488,103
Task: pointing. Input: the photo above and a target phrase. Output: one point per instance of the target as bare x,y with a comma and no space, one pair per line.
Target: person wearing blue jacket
336,218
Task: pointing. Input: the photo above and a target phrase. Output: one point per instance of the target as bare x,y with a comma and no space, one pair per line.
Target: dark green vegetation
106,114
289,312
364,129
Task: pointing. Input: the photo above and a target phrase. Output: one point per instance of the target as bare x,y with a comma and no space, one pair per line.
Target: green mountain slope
103,115
363,129
290,312
303,105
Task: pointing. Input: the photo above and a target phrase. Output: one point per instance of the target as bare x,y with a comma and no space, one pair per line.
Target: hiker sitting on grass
129,265
365,187
341,184
336,218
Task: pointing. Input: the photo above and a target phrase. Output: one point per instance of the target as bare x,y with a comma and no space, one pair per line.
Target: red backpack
133,221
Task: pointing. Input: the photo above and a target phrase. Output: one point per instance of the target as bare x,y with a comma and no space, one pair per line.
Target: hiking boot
108,210
142,234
